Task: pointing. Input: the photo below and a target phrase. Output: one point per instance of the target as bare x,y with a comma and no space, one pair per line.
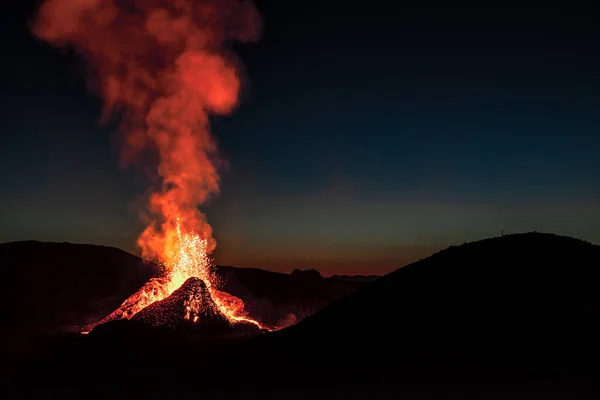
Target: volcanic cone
191,307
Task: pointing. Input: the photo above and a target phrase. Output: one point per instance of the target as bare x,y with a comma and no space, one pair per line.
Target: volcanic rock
277,299
190,303
152,289
504,311
60,287
191,307
306,274
74,287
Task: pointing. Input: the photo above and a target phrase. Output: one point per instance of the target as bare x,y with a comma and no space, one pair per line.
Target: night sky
370,135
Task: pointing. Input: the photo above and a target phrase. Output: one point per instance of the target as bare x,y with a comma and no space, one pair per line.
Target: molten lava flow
188,257
165,66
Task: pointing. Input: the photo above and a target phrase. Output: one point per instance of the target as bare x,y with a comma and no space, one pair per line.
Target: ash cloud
164,66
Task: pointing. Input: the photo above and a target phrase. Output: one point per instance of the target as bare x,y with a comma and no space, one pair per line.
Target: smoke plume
164,67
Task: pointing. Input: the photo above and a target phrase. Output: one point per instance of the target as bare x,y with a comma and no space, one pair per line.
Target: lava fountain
164,67
187,258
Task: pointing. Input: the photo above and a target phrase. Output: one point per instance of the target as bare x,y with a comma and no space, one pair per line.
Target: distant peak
308,273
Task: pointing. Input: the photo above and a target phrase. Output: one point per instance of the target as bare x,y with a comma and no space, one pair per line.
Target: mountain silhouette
520,309
278,299
64,285
49,288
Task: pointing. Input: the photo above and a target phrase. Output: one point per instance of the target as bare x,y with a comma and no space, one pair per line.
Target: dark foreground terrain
517,313
521,309
55,287
52,288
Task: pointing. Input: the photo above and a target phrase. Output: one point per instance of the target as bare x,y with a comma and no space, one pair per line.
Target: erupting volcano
164,66
188,260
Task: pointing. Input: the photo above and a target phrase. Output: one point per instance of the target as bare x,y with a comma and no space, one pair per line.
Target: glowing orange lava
187,258
165,66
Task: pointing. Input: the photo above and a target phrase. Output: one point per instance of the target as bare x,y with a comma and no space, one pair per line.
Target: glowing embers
191,303
187,256
162,66
187,292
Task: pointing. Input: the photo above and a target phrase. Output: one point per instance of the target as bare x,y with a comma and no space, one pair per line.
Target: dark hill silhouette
57,287
307,274
520,309
278,299
64,285
48,287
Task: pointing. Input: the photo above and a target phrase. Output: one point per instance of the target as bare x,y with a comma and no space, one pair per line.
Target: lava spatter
165,66
189,262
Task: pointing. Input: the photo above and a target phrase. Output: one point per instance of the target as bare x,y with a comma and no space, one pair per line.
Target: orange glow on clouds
163,65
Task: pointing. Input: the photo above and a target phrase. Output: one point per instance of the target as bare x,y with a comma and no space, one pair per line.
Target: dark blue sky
370,135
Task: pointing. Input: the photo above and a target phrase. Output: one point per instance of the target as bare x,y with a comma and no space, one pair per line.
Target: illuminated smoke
163,66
